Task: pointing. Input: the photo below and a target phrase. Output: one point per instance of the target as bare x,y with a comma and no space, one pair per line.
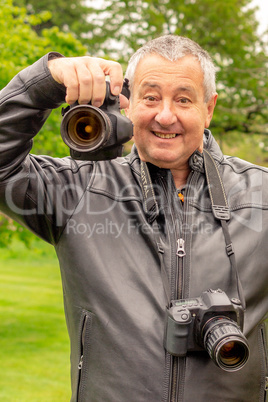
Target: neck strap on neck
221,212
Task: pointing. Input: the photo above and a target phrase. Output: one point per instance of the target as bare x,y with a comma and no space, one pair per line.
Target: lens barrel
85,128
225,343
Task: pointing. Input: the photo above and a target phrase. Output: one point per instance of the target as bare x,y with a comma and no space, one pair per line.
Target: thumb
124,102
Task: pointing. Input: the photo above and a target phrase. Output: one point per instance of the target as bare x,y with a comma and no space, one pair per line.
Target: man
126,243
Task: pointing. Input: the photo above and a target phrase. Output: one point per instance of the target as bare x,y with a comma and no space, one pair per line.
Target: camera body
94,133
211,322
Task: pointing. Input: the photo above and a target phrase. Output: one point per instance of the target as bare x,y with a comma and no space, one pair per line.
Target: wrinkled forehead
155,70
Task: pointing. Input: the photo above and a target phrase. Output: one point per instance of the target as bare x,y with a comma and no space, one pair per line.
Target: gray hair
173,47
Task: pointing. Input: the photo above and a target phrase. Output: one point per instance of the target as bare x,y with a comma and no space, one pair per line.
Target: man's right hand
84,78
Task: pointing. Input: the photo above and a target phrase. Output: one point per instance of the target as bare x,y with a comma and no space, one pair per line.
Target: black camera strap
221,212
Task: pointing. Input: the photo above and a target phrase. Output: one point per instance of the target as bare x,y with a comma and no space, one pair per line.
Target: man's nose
166,116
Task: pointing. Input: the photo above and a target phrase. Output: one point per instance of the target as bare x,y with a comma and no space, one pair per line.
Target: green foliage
34,351
11,231
68,16
249,147
21,46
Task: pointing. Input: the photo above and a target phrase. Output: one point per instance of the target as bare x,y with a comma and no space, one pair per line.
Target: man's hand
84,78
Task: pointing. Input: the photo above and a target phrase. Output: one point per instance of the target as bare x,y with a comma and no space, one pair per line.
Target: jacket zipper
178,362
83,340
177,366
171,362
180,248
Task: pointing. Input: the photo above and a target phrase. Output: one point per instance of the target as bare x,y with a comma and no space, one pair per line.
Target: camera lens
225,343
85,128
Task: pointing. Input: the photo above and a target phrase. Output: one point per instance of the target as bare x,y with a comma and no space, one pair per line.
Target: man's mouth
167,136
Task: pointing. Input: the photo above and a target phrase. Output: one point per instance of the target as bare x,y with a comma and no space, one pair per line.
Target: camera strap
221,212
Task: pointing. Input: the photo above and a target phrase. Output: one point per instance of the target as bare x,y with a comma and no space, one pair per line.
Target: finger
63,72
114,70
70,81
85,83
124,102
98,83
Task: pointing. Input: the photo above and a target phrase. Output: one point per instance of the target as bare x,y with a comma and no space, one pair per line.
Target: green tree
227,29
21,46
68,16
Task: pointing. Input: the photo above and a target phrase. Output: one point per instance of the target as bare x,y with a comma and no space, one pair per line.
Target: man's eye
184,100
150,98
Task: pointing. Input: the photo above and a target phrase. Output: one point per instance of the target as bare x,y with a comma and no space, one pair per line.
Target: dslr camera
94,133
211,322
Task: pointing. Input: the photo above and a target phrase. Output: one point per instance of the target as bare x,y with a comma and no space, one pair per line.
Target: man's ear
210,109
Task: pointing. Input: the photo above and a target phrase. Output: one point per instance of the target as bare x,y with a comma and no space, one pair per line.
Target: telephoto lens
86,128
225,343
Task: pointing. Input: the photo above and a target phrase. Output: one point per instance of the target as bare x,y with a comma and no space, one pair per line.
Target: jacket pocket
85,334
264,338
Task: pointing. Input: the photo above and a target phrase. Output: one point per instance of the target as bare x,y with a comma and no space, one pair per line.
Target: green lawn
34,345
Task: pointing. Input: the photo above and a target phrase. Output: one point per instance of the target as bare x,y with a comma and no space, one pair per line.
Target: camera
94,133
211,322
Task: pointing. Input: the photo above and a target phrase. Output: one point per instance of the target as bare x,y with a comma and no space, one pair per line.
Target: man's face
168,110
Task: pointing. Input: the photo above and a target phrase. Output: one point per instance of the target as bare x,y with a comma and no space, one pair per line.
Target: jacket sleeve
27,182
25,104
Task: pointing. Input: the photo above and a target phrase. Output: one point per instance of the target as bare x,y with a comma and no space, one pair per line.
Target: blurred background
33,338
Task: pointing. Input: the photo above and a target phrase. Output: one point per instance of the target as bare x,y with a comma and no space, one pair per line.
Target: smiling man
163,253
169,112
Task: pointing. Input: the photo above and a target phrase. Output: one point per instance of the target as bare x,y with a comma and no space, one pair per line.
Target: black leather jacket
94,214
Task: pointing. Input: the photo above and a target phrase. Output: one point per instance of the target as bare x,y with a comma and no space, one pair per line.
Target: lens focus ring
226,344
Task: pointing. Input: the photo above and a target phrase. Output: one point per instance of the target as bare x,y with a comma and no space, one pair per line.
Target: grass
34,345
